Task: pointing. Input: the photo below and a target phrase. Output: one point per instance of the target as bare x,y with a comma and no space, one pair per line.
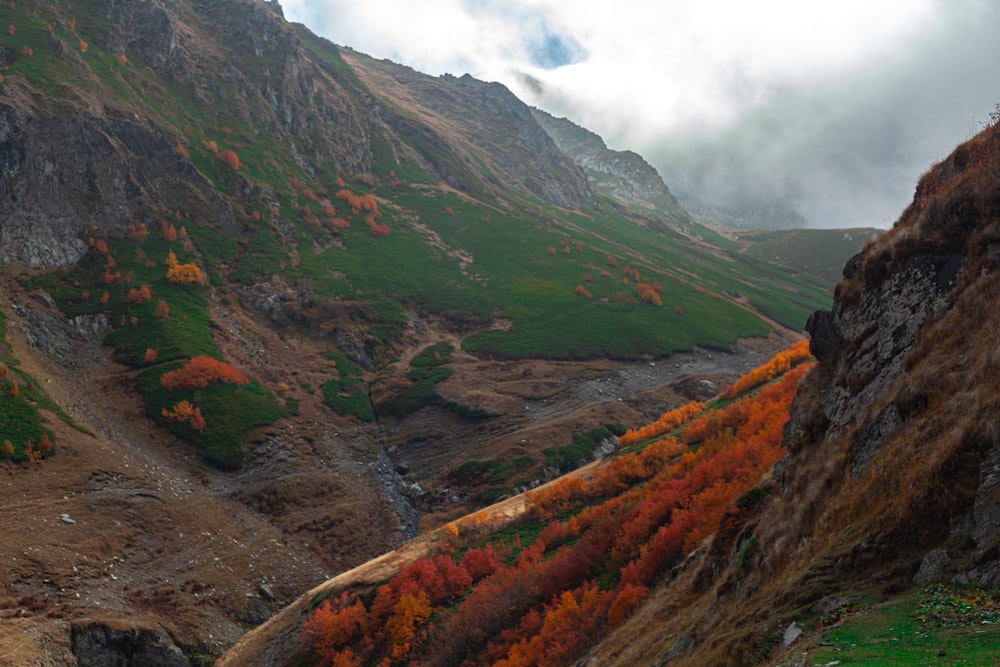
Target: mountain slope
888,481
622,175
324,291
890,478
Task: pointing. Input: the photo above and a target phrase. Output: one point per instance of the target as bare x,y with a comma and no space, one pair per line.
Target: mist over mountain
846,151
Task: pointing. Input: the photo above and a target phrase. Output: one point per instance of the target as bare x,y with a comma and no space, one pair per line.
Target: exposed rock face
864,343
500,128
622,175
904,395
98,645
68,169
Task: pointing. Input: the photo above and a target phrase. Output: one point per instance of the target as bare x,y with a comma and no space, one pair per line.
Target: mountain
622,175
817,252
890,477
271,307
813,512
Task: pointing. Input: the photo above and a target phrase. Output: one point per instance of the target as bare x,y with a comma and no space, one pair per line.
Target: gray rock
682,646
870,441
792,632
931,567
96,644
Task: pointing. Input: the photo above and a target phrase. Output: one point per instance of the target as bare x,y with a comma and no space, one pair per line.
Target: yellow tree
410,612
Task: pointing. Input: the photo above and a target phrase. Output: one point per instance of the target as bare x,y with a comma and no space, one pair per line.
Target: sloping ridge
892,475
625,176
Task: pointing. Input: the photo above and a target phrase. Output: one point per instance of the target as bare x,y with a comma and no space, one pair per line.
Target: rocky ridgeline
623,175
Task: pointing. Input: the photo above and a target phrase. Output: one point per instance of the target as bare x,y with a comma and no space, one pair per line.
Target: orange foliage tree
665,423
168,230
197,422
162,309
781,362
139,295
181,412
199,372
185,274
648,294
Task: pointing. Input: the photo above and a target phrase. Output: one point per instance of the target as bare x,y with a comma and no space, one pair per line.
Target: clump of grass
579,451
427,369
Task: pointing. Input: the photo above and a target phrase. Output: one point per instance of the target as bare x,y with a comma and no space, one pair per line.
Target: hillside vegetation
273,307
543,587
842,515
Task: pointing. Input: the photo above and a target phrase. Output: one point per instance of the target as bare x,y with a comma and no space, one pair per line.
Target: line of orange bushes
545,604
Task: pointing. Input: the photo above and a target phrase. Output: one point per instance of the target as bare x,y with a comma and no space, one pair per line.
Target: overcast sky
831,108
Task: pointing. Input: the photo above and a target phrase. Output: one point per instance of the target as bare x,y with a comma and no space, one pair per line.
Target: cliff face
906,390
892,476
622,175
68,167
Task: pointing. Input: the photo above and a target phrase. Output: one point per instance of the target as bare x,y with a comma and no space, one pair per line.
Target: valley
287,332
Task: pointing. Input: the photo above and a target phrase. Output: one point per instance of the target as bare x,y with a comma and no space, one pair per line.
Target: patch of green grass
437,354
346,367
938,625
494,471
20,421
348,398
578,452
817,252
427,369
229,411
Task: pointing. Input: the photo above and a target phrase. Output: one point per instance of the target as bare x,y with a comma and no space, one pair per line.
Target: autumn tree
335,624
403,628
162,309
199,372
185,274
150,356
582,291
197,422
181,412
648,294
228,158
140,295
169,231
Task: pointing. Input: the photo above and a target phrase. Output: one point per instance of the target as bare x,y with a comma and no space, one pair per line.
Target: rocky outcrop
622,175
97,644
68,170
495,128
904,398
